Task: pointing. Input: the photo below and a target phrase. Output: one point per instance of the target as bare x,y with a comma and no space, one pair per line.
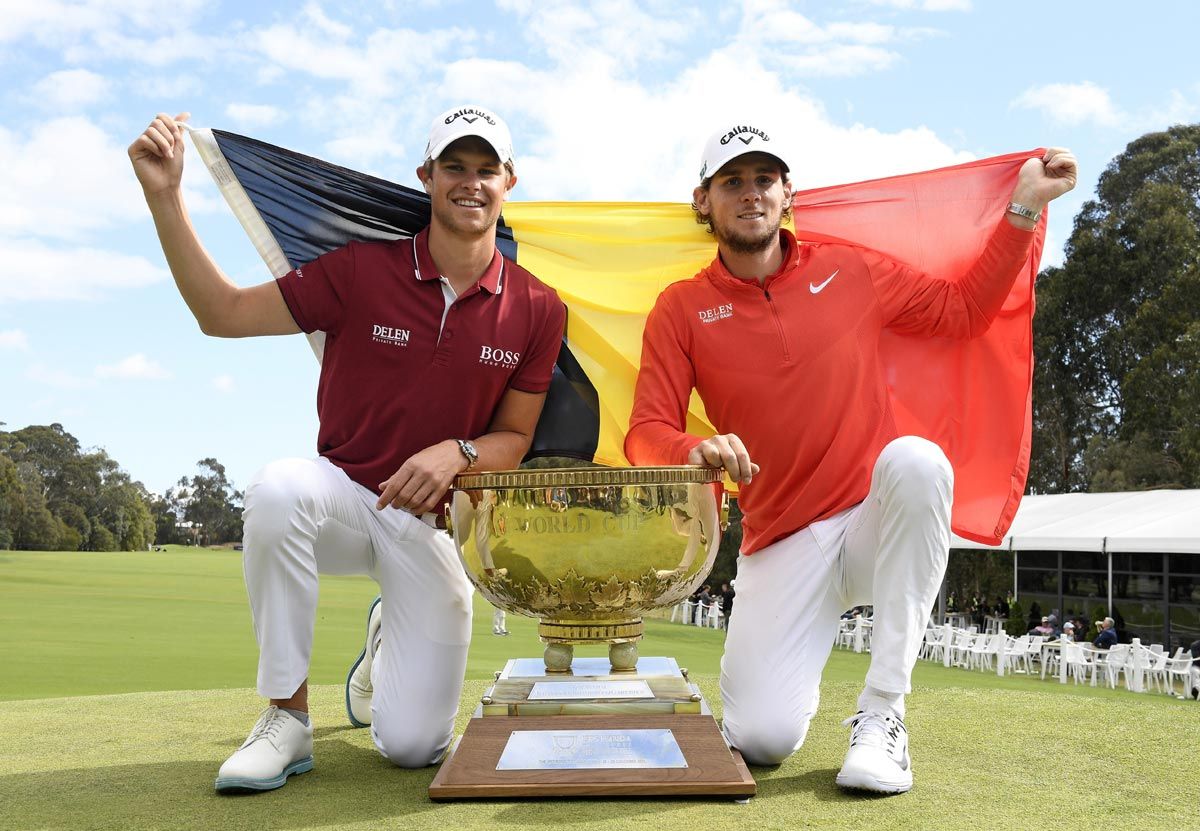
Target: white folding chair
1080,664
1178,666
867,631
1016,654
963,640
1116,661
1157,670
931,646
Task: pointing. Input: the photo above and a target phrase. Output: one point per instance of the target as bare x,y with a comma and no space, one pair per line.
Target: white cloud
773,33
377,86
1071,104
621,31
67,179
224,384
655,158
926,5
83,28
255,115
557,158
1178,109
14,339
160,51
373,65
70,89
58,378
136,367
175,86
34,270
843,60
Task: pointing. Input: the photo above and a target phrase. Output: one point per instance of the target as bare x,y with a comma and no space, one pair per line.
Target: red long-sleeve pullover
792,366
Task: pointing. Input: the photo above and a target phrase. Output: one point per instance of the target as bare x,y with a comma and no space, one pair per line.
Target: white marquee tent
1161,521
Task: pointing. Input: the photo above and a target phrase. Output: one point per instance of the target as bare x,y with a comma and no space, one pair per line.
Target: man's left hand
1042,180
418,485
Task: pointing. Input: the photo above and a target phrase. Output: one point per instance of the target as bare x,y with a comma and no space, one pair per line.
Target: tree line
1116,400
58,496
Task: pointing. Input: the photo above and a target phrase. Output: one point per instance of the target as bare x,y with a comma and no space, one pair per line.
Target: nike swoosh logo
816,289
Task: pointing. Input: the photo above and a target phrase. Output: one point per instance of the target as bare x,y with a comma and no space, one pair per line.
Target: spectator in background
1069,631
727,595
1043,628
703,604
1108,634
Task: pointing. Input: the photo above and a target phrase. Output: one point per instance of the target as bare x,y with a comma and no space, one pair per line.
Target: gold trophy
587,551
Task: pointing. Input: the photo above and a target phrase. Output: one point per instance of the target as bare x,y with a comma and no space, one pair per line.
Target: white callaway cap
735,140
469,121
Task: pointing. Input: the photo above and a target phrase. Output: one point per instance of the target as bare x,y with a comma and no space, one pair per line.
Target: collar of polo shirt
491,281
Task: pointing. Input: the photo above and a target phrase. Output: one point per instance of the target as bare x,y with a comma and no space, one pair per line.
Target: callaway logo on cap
469,121
735,140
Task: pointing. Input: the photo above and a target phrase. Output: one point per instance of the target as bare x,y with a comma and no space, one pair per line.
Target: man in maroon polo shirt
438,355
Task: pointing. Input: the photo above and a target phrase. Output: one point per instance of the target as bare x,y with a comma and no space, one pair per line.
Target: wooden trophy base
712,769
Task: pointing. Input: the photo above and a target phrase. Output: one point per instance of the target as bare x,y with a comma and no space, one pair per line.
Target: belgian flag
609,261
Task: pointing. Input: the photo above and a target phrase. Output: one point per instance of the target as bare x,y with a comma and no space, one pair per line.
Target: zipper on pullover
787,357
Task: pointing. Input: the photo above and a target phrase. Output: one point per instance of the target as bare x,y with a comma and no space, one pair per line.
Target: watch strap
1020,210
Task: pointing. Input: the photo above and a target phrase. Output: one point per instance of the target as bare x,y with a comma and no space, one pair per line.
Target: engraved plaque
576,690
591,750
589,667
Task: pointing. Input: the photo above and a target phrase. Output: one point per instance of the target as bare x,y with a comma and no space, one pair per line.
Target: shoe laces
269,725
874,730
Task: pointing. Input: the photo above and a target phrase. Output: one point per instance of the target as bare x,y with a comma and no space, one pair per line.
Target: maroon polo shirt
394,380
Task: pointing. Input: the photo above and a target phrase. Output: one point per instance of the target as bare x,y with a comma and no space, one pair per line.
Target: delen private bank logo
391,335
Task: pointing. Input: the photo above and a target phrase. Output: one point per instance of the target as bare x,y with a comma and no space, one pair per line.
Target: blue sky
608,101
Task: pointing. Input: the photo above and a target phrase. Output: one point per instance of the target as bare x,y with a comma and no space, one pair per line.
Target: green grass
87,624
124,682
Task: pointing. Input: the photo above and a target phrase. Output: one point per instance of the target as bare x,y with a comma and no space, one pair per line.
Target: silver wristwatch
1020,210
468,450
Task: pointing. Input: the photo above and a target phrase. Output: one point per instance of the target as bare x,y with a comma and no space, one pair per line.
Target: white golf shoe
878,758
358,681
278,746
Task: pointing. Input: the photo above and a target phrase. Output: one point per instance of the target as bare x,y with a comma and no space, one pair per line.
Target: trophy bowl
587,550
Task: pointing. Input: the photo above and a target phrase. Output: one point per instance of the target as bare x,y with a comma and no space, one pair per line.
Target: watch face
468,450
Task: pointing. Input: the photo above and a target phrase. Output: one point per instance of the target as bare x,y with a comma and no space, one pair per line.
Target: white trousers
888,551
304,516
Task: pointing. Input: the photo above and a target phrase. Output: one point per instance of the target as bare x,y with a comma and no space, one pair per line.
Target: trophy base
472,771
592,732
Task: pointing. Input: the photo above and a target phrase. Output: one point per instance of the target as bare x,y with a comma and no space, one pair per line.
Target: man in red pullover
780,339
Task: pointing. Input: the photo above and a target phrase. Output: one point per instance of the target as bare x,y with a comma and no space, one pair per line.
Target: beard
744,243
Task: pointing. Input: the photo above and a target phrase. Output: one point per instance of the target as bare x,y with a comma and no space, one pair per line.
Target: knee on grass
408,745
767,741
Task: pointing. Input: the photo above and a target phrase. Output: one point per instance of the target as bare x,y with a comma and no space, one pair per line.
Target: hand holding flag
157,154
1044,179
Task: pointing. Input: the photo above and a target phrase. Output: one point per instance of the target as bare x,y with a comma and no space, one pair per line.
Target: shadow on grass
349,784
815,783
